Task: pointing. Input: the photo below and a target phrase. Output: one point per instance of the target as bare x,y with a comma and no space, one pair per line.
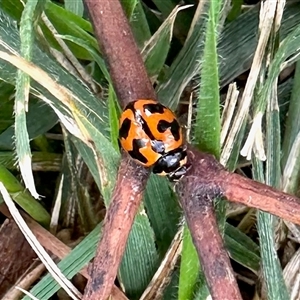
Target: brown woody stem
130,81
255,194
196,191
122,56
119,218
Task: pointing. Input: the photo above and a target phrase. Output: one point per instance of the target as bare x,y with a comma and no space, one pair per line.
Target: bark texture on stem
130,81
196,192
121,53
207,179
118,221
258,195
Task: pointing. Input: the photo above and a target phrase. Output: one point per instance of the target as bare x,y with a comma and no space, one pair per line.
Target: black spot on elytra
154,108
135,153
146,129
124,129
130,106
163,125
158,146
140,120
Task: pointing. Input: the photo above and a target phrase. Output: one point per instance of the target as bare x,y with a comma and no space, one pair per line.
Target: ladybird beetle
150,133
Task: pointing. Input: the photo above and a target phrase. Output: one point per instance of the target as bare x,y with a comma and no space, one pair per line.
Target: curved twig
126,66
131,82
207,176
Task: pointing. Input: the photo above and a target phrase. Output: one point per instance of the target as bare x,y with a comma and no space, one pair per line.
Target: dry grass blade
57,247
70,56
227,114
162,275
27,293
268,8
24,284
291,276
36,246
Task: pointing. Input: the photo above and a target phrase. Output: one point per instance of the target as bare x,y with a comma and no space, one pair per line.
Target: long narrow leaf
189,267
70,265
187,63
22,97
208,125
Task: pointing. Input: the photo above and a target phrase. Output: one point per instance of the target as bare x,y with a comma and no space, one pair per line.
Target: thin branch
130,82
122,56
255,194
210,247
208,174
117,224
196,192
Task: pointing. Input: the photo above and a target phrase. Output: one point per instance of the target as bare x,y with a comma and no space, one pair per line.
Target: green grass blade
42,161
184,19
276,288
114,112
143,265
208,125
271,268
139,26
75,6
202,292
23,198
6,106
241,248
71,24
163,210
165,7
206,137
13,8
157,48
291,171
293,121
289,47
129,6
92,52
187,63
34,123
236,53
235,10
22,96
57,10
70,265
189,267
